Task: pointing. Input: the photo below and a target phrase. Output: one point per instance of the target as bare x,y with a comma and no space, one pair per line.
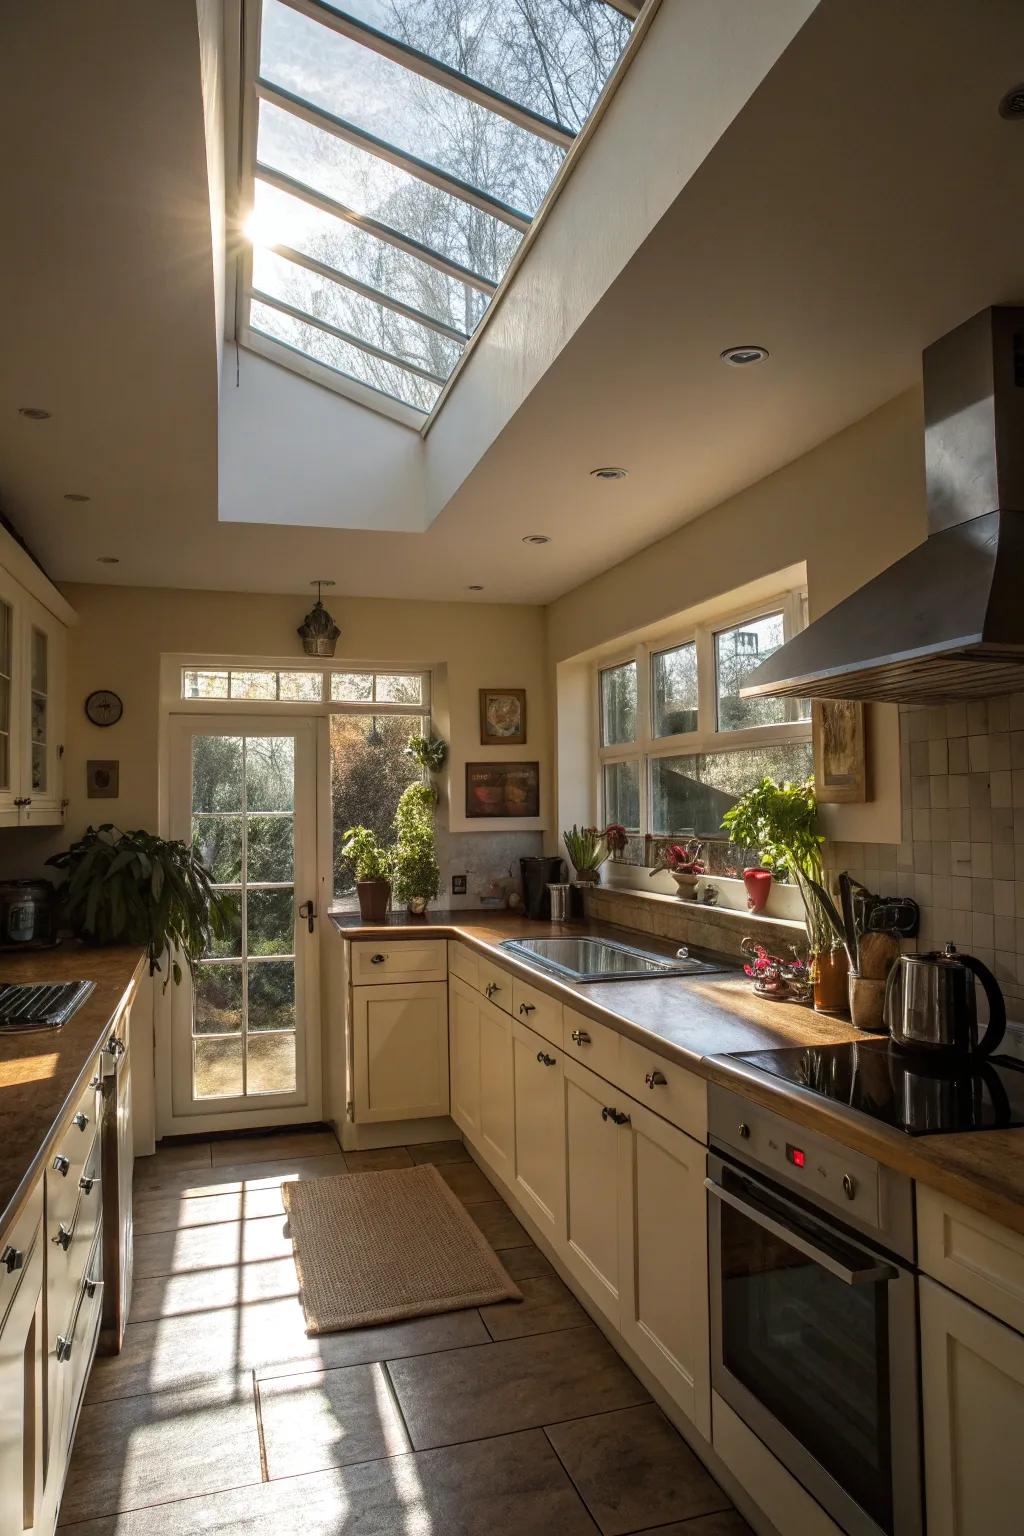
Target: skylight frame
252,89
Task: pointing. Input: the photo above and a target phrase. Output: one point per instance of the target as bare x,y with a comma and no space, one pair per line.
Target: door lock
308,911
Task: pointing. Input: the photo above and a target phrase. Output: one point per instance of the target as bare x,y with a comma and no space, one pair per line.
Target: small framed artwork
502,789
502,717
101,778
840,759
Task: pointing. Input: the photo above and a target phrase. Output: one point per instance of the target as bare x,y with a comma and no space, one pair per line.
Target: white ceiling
866,199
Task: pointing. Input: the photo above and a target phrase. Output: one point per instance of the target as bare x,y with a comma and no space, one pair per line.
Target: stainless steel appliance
813,1312
40,1005
559,897
28,914
930,1004
583,959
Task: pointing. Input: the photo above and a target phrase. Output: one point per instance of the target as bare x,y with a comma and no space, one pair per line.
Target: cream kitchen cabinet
400,1045
464,1049
593,1149
22,1359
539,1169
497,1090
33,647
972,1371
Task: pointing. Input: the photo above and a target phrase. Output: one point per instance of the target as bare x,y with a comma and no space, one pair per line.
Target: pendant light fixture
318,631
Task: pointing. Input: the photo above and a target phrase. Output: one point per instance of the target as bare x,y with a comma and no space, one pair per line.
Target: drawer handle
63,1348
64,1236
91,1286
94,1082
115,1047
545,1060
81,1120
61,1164
527,1008
655,1079
377,959
611,1113
12,1259
491,988
580,1037
85,1184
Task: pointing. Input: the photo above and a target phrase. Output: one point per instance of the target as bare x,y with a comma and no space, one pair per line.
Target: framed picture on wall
840,758
502,789
502,717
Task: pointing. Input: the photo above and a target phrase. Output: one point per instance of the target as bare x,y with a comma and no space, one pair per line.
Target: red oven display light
796,1155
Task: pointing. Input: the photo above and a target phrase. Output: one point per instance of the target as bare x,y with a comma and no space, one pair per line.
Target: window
251,683
677,744
397,152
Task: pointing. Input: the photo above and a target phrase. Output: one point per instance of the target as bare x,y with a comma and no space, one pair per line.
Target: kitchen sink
582,959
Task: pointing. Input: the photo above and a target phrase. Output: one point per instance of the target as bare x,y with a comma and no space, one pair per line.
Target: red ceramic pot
758,883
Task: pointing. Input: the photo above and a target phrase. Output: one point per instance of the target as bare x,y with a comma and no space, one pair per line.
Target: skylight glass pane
378,190
280,219
553,56
374,323
389,378
409,111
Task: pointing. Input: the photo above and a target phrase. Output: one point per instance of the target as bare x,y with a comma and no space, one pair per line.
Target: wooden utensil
877,952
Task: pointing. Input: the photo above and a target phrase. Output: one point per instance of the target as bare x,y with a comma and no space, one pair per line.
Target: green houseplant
429,751
373,867
136,888
417,875
781,822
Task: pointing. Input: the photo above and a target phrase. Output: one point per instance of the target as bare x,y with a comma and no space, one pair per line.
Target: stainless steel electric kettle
930,1004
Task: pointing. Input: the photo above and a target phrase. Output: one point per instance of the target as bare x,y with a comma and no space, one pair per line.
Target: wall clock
103,707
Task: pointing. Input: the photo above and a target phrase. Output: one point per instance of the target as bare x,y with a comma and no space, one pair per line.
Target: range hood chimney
947,621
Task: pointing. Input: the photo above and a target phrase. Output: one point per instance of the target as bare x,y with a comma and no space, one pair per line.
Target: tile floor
220,1415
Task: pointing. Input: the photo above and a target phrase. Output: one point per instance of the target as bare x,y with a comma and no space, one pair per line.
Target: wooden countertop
43,1073
701,1021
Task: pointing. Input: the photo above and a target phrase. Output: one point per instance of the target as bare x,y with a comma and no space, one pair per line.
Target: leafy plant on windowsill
417,877
368,858
135,888
429,751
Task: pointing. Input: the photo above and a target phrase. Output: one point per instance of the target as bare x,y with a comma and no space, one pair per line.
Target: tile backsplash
962,853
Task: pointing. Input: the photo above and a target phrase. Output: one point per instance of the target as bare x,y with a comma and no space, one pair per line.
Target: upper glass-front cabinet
32,651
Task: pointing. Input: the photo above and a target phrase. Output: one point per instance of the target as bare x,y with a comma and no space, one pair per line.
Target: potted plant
372,864
588,848
429,751
685,863
136,888
781,822
416,873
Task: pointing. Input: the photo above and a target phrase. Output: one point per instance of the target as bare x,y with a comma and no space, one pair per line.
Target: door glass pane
217,840
269,773
738,652
218,999
218,1068
271,917
229,944
618,704
622,794
217,773
270,853
271,1063
692,792
674,680
813,1351
271,995
40,710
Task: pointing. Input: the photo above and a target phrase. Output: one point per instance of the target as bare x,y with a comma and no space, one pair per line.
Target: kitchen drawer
669,1090
538,1010
462,962
71,1239
972,1255
71,1350
406,960
595,1045
16,1247
495,983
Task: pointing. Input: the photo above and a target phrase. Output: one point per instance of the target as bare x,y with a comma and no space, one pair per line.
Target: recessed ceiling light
742,357
34,412
108,559
536,538
609,472
474,588
76,496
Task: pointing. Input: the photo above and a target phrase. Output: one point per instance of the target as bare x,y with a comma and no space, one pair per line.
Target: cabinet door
593,1147
497,1090
21,1401
464,1045
400,1040
973,1389
43,645
540,1131
662,1208
10,700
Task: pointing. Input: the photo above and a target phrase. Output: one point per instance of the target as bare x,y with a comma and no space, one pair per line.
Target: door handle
308,911
830,1257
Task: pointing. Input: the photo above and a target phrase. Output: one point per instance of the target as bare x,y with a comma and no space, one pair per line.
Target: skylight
396,153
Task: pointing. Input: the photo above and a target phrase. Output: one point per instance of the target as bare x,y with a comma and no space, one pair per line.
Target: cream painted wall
848,509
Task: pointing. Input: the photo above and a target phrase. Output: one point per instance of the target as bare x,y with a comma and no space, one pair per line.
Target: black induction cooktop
915,1093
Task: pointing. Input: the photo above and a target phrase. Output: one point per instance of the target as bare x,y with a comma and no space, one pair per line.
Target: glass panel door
6,686
248,799
39,700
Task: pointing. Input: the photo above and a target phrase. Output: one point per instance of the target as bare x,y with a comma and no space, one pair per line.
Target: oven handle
871,1274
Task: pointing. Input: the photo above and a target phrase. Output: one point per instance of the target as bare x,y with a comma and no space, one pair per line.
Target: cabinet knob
23,800
744,1130
617,1115
580,1037
115,1047
545,1060
81,1120
491,988
61,1164
527,1008
85,1184
849,1186
94,1082
63,1348
377,959
12,1259
655,1079
63,1237
90,1286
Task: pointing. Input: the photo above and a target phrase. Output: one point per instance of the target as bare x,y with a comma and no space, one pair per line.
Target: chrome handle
527,1008
655,1079
834,1260
63,1237
115,1047
617,1115
580,1037
63,1348
81,1121
545,1059
491,988
12,1259
85,1184
92,1286
61,1164
377,959
94,1082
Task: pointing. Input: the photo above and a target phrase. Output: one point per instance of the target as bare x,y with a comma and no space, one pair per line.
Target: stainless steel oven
814,1312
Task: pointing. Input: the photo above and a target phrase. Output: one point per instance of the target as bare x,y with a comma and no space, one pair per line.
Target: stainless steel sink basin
582,959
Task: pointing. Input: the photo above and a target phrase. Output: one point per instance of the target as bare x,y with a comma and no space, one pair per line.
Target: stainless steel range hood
947,621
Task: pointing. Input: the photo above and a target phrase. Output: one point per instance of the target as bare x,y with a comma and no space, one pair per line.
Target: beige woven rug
376,1247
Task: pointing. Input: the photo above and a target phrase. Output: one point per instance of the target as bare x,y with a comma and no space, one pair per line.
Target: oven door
814,1345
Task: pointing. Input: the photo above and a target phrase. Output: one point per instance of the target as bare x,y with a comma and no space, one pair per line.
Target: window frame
707,739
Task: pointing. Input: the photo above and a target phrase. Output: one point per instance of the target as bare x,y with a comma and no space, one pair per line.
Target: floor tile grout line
258,1405
396,1401
114,1514
666,1525
577,1489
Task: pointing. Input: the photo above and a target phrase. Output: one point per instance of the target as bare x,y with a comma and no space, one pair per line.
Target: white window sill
784,905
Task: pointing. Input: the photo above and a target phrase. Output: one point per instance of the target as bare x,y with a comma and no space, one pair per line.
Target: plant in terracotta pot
587,850
685,863
372,864
781,822
416,872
